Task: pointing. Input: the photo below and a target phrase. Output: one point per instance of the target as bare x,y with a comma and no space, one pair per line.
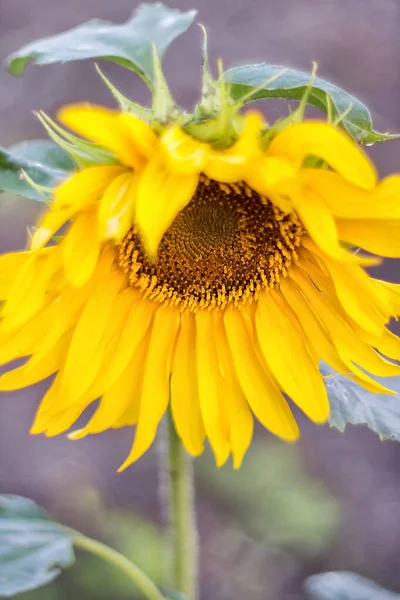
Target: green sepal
124,103
271,81
211,100
83,153
164,109
216,118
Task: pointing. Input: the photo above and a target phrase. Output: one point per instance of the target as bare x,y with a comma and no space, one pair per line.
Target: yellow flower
213,280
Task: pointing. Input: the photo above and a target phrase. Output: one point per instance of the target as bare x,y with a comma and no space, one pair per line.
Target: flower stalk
182,532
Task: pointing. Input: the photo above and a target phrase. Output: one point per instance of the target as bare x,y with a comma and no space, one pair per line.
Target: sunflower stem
182,534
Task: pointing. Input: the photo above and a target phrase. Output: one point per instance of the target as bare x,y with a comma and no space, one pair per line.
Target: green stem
182,520
122,563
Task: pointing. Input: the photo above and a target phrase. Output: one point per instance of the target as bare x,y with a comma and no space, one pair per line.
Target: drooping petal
324,141
348,201
232,164
162,194
137,326
319,338
122,396
117,207
264,397
77,193
32,289
83,355
185,406
155,387
106,128
283,344
81,248
237,408
28,375
359,297
207,374
276,179
349,345
183,153
144,138
377,236
10,264
321,227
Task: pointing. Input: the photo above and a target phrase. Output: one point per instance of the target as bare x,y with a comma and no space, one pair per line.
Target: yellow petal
61,421
237,408
81,248
83,355
283,344
183,153
185,407
32,290
10,264
144,138
85,187
123,395
377,236
162,194
264,397
207,375
276,179
117,207
232,164
348,343
360,298
104,127
74,195
324,141
136,328
155,387
319,338
25,339
28,374
348,201
320,225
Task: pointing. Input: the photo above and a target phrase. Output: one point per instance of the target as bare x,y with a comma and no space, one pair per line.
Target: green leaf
33,549
129,44
351,403
343,585
272,81
42,160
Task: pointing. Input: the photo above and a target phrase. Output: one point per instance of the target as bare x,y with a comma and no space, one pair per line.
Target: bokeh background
330,502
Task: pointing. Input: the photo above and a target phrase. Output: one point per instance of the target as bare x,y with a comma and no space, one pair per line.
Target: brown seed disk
223,248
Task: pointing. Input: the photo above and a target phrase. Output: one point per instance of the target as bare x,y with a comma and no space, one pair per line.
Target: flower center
223,248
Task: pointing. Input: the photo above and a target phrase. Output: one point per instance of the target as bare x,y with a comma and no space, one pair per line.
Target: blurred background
330,502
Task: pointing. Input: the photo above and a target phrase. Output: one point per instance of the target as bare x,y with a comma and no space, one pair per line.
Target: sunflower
211,280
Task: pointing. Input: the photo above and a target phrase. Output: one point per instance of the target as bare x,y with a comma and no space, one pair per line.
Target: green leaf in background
342,585
129,44
351,403
43,161
272,81
33,549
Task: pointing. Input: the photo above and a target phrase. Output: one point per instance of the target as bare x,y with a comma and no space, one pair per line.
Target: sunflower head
204,262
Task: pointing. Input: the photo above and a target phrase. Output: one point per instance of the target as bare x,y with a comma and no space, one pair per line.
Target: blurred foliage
272,498
275,500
